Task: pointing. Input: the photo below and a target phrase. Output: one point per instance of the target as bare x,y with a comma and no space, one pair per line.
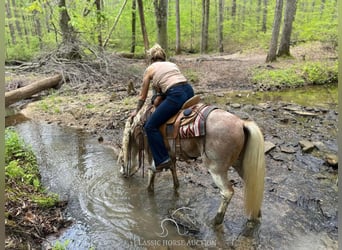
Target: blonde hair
156,53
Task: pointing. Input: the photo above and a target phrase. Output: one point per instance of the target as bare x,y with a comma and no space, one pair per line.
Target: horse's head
129,158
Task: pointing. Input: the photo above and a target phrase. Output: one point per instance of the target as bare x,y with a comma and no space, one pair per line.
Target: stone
306,145
331,159
235,105
269,146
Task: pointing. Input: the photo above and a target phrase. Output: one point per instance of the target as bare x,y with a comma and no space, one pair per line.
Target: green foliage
61,246
21,168
90,106
276,78
15,149
51,103
320,73
45,201
315,73
20,161
315,20
20,51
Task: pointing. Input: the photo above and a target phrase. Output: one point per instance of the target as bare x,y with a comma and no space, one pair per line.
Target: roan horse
228,141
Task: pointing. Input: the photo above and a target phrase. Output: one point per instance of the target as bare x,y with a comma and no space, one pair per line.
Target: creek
112,212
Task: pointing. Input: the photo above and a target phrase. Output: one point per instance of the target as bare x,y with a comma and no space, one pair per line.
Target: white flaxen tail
253,165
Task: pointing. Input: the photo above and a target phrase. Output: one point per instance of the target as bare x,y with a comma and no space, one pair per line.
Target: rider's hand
157,100
133,114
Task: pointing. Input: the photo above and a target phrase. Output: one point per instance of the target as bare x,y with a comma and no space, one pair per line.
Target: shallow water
112,212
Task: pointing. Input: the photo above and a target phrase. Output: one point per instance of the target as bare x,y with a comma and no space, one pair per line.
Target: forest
194,26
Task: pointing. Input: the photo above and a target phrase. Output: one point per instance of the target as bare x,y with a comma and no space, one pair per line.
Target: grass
296,75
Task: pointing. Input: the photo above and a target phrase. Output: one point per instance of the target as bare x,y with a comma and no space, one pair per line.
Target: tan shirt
165,75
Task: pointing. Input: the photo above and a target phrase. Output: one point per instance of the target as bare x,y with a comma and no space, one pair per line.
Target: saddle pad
197,127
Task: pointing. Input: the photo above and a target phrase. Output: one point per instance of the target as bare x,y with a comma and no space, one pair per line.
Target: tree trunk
17,23
99,21
178,32
259,14
134,20
24,22
160,10
233,9
264,17
38,28
31,89
290,12
64,21
322,7
70,48
142,24
220,26
10,24
205,25
272,53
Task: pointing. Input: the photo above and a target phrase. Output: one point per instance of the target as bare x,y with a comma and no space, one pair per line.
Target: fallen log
31,89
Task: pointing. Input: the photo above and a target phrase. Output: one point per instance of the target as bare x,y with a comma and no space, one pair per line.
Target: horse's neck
142,114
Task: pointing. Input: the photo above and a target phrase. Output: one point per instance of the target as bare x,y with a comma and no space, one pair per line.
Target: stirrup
161,167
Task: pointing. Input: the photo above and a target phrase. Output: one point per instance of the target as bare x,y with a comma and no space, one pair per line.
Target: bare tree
10,24
160,10
98,4
178,34
220,25
134,18
272,53
205,25
142,24
290,12
264,17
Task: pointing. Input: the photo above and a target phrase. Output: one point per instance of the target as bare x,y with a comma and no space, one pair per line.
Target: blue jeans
175,98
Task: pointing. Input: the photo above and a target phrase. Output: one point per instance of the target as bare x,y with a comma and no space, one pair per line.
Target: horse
228,142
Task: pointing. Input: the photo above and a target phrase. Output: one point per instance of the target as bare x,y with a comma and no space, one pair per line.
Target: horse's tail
253,168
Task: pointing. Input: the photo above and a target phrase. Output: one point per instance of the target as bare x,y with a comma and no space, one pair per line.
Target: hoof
218,220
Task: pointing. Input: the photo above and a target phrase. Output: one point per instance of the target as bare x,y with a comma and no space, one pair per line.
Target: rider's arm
146,83
144,89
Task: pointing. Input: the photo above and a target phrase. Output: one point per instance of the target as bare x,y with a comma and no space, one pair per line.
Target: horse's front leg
174,176
151,176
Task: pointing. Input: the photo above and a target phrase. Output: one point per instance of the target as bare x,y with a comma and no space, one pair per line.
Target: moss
297,75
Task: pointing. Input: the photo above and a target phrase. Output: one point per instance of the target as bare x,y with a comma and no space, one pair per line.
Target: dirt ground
102,109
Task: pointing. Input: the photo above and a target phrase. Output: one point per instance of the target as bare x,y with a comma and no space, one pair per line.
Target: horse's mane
130,125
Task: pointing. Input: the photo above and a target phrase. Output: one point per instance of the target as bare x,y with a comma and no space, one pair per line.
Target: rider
170,85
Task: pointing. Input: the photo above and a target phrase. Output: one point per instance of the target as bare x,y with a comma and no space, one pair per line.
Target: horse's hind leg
227,191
